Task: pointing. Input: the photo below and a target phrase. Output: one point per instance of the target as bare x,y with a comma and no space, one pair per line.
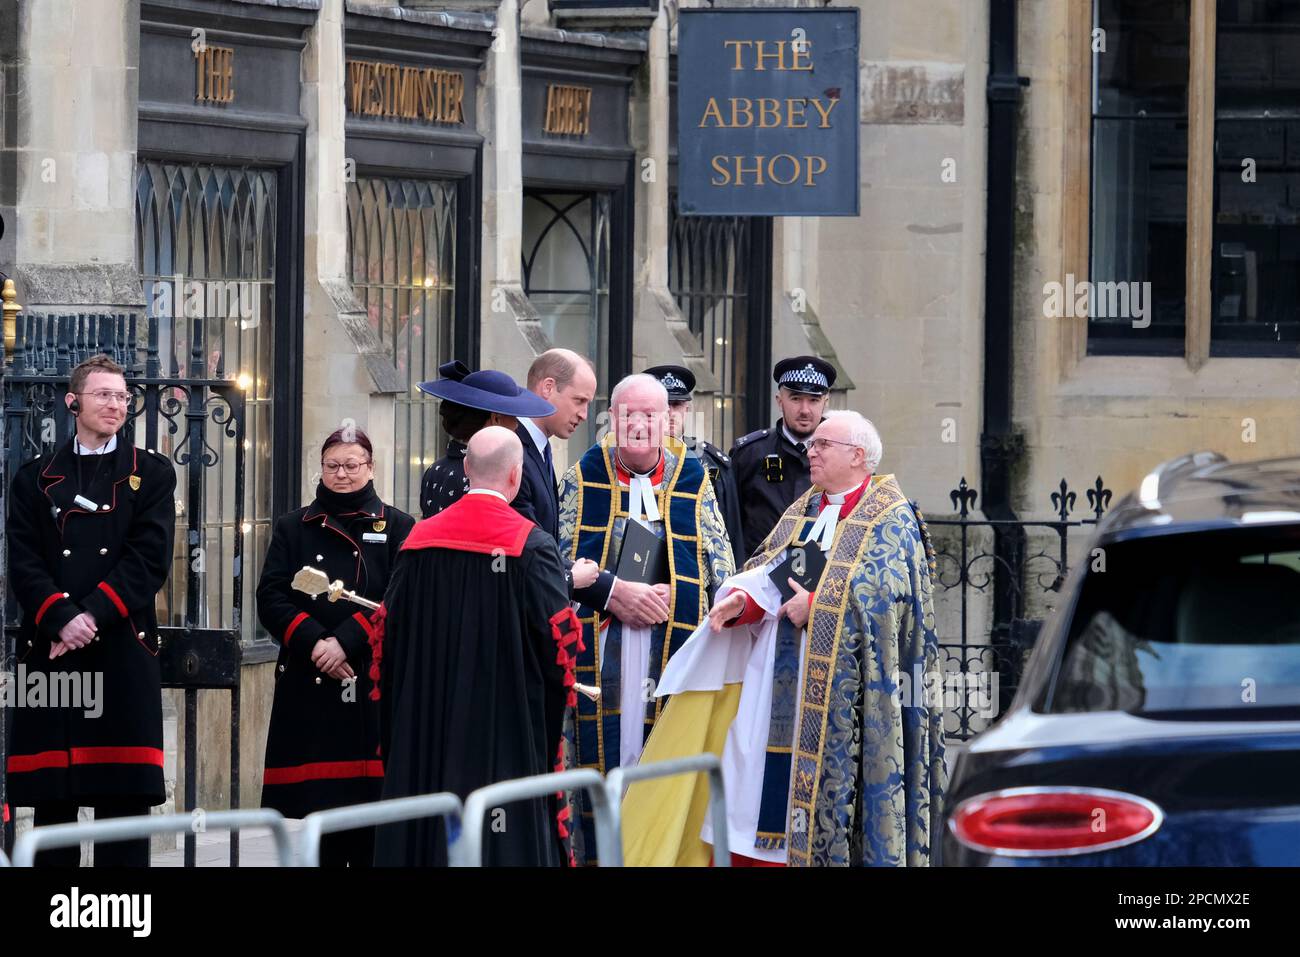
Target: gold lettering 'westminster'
405,92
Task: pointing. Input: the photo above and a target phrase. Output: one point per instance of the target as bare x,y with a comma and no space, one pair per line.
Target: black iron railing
984,654
182,406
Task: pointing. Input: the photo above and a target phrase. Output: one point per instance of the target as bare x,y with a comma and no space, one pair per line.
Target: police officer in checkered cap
680,384
771,465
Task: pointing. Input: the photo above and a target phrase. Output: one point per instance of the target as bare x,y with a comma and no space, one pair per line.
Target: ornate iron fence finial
963,498
1098,498
1063,501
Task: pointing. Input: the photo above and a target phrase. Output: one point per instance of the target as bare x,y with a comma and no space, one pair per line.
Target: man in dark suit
470,401
567,381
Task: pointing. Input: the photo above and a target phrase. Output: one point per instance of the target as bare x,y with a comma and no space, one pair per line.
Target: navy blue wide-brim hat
487,390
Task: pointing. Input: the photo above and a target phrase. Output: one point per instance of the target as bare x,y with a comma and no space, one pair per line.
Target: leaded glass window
566,277
709,267
205,247
402,261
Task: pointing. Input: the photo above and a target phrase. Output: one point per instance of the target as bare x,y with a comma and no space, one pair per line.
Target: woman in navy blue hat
470,401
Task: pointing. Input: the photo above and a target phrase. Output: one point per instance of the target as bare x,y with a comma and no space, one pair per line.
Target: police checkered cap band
805,376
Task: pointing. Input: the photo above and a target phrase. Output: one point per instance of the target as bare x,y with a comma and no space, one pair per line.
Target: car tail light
1043,821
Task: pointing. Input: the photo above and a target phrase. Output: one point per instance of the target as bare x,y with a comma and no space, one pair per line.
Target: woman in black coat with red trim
322,747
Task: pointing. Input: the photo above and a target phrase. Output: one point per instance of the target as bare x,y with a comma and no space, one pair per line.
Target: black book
643,557
806,556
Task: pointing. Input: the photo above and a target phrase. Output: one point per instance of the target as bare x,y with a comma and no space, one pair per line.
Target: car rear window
1185,626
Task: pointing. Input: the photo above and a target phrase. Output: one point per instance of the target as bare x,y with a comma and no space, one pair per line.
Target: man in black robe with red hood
476,665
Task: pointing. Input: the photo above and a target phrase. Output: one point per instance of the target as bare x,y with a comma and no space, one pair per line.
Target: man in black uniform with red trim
771,465
90,545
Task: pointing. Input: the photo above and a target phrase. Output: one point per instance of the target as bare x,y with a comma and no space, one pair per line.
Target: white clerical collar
837,498
107,447
641,497
632,472
488,491
539,437
791,436
823,530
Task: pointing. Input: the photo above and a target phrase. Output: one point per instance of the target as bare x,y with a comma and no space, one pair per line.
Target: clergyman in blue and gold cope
836,759
667,490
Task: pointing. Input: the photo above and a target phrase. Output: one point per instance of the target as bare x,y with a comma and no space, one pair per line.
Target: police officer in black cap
680,383
771,465
470,401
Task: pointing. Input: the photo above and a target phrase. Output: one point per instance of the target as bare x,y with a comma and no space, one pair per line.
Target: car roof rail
1149,490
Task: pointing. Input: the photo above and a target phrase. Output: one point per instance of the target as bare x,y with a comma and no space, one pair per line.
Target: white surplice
634,662
745,653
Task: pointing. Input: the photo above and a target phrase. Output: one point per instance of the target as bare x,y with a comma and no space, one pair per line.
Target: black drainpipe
1000,444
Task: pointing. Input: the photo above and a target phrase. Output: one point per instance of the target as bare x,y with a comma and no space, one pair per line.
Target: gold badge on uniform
135,483
380,526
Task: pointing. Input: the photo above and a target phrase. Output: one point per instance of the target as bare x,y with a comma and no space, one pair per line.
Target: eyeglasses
105,396
352,468
821,445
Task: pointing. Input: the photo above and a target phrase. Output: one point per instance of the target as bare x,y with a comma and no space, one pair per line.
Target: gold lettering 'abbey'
767,113
405,92
568,110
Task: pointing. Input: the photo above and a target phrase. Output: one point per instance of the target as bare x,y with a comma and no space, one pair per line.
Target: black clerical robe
476,670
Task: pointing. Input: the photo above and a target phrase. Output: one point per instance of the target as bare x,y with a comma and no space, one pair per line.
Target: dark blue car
1158,720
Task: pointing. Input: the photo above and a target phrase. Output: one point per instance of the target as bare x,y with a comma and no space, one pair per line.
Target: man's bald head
494,460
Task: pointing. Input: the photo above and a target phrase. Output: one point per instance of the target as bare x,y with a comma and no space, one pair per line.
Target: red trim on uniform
19,763
567,632
104,755
368,628
117,756
475,523
376,632
323,770
107,589
45,605
298,619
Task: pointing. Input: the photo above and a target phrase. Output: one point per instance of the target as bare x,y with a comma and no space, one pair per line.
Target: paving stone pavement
256,849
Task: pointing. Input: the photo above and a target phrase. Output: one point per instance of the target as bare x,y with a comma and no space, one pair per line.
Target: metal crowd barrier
129,828
463,850
468,851
617,779
319,823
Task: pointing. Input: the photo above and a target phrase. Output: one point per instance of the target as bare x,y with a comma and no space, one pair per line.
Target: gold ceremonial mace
313,581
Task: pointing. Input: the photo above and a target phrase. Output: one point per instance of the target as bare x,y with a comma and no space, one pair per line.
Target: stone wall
898,291
74,231
1117,416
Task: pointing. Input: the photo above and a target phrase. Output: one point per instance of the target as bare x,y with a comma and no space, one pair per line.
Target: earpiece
74,406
